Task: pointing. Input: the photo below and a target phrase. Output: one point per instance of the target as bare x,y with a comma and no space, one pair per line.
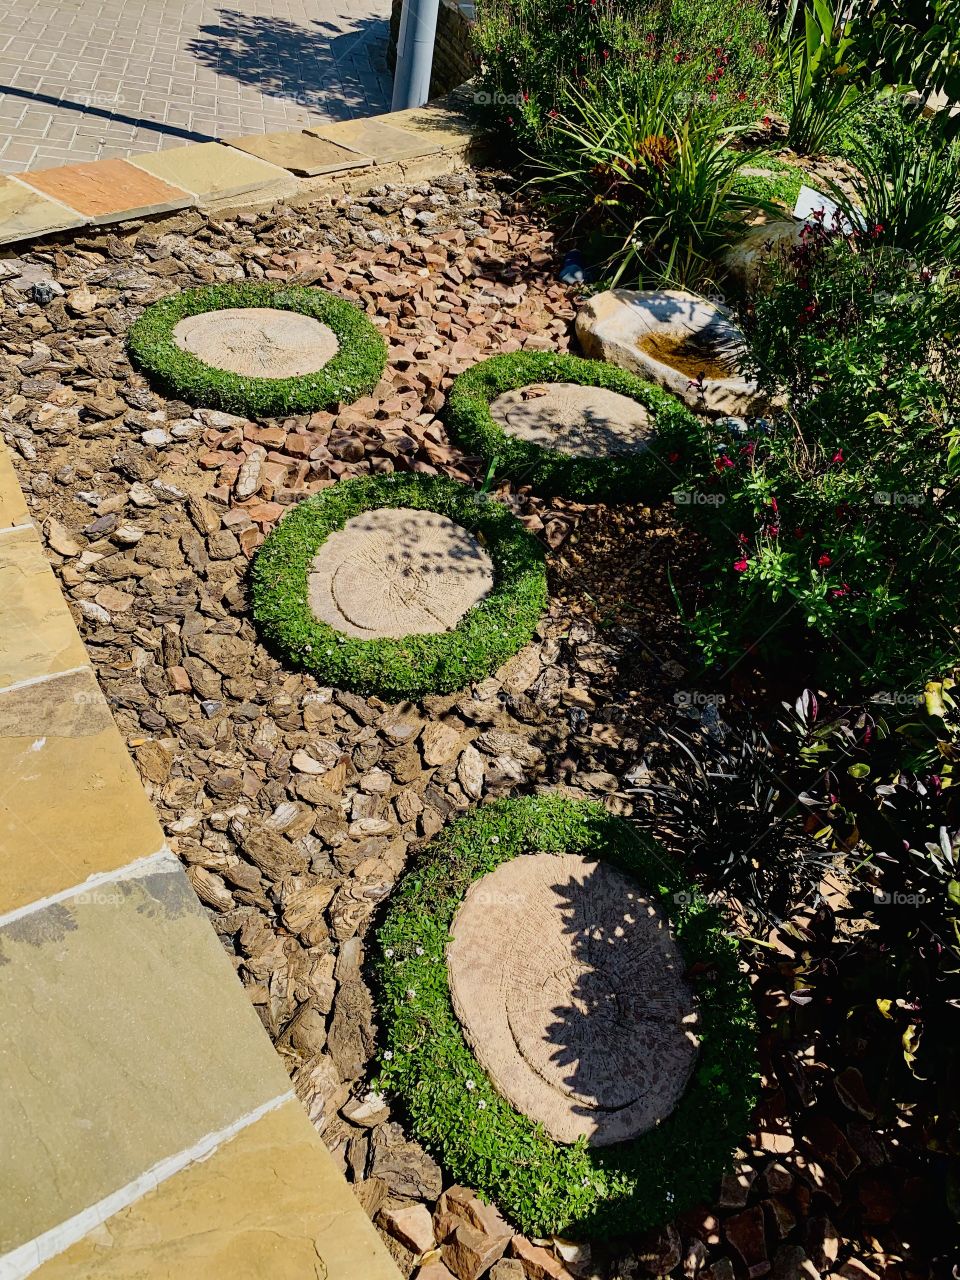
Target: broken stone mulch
295,807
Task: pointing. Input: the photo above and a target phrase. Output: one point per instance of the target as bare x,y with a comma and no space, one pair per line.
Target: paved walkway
87,79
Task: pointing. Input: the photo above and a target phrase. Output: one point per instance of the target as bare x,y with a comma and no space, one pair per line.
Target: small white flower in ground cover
481,1104
389,953
470,1085
410,993
420,951
388,1055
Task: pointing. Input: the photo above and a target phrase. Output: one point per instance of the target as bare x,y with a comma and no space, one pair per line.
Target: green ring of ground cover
351,373
484,638
638,477
547,1187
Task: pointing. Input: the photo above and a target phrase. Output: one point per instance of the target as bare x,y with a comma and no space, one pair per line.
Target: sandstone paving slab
268,1203
258,342
588,422
37,635
395,572
301,153
58,739
448,128
127,1040
383,143
212,172
13,508
109,190
570,990
26,213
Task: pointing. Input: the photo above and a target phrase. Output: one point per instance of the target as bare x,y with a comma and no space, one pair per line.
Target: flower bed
454,1110
485,637
353,370
635,477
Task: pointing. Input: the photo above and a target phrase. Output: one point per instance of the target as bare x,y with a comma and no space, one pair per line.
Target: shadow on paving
319,66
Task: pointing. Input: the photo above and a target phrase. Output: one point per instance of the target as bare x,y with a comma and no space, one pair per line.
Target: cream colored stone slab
37,635
384,143
672,338
268,1205
588,422
398,572
13,508
127,1040
212,172
258,342
301,153
71,801
570,989
25,213
447,128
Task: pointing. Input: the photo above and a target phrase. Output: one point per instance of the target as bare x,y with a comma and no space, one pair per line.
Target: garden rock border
411,666
454,1110
354,370
630,477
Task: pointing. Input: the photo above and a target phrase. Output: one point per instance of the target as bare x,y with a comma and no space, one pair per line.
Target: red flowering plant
835,527
698,53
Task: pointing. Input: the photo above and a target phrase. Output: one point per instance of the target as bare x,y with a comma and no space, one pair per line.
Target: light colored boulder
672,338
748,262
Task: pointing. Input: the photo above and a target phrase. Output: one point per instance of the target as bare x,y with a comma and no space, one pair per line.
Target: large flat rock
213,173
570,990
384,143
301,153
109,190
678,340
26,213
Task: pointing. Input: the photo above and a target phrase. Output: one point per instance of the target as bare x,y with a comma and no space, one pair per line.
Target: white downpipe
418,31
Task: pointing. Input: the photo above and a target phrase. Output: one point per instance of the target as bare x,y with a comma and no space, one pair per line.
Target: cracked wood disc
570,990
257,342
588,422
395,572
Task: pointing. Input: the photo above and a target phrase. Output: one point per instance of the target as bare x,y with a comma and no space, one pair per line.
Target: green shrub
656,192
544,1186
485,637
834,531
353,371
700,54
825,86
908,193
639,477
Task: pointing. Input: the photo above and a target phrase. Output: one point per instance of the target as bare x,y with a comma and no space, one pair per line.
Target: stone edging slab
238,173
151,1127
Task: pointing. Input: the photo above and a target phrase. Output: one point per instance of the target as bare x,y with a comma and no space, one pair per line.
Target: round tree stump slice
587,422
397,571
257,342
570,990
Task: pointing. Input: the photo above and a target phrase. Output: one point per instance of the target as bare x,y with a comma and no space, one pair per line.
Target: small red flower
773,505
742,539
824,561
774,531
838,592
741,565
722,462
673,457
838,456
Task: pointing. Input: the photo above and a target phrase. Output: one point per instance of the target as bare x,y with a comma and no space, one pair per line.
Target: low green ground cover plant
487,635
780,184
834,528
638,477
544,1186
353,371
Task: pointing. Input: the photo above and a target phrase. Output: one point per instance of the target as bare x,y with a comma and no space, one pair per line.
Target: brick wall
453,59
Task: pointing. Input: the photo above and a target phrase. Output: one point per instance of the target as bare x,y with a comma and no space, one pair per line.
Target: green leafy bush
638,477
908,193
353,371
545,1186
835,529
700,54
656,192
824,84
486,636
883,785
